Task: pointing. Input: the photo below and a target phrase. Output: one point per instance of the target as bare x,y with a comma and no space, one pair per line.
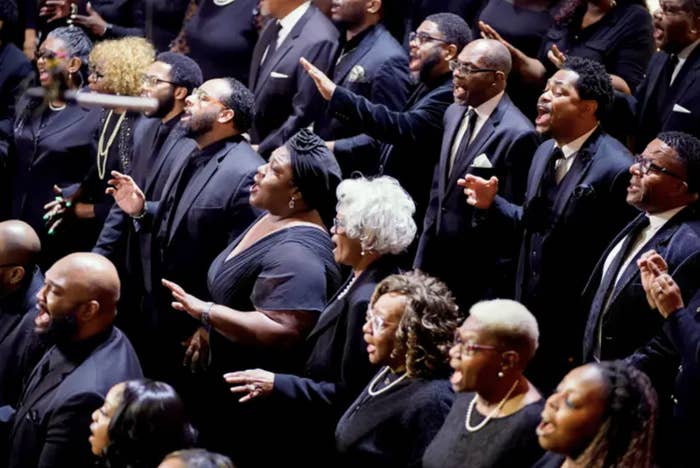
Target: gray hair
378,212
510,323
77,43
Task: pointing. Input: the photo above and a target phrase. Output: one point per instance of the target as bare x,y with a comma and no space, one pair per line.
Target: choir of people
349,233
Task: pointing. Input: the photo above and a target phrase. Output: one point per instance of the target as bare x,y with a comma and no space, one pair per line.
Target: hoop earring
292,203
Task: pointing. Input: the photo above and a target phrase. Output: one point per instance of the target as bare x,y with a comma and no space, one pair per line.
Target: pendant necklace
102,150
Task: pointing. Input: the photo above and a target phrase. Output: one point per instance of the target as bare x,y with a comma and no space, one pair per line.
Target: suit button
608,338
443,209
674,399
680,368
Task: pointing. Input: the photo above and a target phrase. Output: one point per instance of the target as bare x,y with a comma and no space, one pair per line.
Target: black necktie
470,116
549,185
269,38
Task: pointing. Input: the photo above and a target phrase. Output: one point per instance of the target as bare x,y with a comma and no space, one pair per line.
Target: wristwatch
205,315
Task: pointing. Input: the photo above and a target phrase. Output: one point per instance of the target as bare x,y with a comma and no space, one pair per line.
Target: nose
367,328
40,294
553,400
95,414
189,100
454,351
635,169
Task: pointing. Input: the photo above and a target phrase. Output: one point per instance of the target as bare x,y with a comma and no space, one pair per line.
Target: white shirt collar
657,220
486,108
574,146
683,54
292,17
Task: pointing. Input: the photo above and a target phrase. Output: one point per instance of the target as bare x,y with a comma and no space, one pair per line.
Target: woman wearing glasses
53,140
373,224
408,332
116,67
492,422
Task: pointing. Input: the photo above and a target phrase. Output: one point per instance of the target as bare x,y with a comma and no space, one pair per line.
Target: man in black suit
76,308
158,142
203,206
669,97
20,280
410,139
664,186
285,99
372,64
574,205
485,134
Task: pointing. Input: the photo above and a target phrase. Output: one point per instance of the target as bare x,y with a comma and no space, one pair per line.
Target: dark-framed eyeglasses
646,165
469,348
464,69
92,71
203,96
151,80
48,54
422,38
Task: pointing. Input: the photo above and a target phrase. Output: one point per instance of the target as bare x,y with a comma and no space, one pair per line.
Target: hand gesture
197,350
93,22
54,9
645,261
57,210
324,84
480,192
668,294
556,56
126,194
185,302
487,32
253,382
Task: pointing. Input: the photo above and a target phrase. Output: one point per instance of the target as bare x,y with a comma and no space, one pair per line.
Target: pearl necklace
493,413
102,150
379,376
56,108
222,2
346,289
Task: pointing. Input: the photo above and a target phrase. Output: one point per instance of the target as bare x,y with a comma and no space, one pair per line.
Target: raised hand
324,84
645,261
54,9
185,302
126,194
93,22
253,382
480,192
556,56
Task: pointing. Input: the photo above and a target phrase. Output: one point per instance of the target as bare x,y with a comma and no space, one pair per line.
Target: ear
180,93
373,6
16,275
74,65
590,107
225,116
510,360
450,52
88,311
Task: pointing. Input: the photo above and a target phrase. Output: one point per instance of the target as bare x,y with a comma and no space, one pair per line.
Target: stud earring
500,374
292,203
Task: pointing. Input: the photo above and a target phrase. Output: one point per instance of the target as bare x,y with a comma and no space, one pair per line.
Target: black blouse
508,442
622,41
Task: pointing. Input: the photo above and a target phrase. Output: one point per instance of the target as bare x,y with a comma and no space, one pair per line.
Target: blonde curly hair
123,63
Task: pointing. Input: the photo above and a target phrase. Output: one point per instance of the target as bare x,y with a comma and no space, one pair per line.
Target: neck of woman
507,389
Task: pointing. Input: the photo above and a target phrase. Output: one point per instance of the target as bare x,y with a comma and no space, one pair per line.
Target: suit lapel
578,171
282,50
348,61
153,174
194,187
450,132
539,164
653,79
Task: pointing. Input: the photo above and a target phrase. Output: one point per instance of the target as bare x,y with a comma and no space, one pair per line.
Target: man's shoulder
318,27
239,156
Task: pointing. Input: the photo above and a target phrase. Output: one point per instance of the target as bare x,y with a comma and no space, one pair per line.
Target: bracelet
205,315
141,215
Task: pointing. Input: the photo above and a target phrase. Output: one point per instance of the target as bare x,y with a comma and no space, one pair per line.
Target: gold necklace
102,151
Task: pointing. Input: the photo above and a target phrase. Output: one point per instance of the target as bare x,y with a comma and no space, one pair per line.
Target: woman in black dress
374,223
408,331
53,142
116,67
601,415
269,287
492,421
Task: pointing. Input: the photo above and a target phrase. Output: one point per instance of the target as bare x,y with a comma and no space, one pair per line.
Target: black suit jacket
286,98
508,140
558,253
376,69
678,241
410,138
51,426
14,70
681,109
216,211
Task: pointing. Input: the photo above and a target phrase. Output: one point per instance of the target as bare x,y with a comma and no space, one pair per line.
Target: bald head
19,244
494,54
89,277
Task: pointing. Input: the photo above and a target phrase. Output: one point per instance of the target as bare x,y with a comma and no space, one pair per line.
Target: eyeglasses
422,38
376,323
48,54
93,72
202,95
338,224
671,9
151,80
469,348
464,69
645,165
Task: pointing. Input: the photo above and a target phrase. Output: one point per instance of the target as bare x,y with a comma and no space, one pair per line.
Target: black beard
164,107
61,330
